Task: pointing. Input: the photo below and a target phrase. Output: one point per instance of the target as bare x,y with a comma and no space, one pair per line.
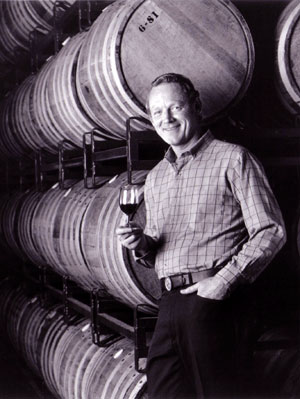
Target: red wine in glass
129,199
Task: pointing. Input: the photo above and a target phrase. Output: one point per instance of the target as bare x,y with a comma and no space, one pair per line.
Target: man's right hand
132,237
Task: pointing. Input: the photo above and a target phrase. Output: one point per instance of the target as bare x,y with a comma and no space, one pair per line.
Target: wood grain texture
132,42
64,355
64,105
107,259
288,56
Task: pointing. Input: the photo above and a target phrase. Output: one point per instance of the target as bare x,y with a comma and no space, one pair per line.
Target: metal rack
107,316
88,162
74,18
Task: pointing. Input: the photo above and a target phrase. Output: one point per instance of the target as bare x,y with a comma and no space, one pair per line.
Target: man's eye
156,113
176,107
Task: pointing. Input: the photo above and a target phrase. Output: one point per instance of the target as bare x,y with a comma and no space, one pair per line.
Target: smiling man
175,115
212,225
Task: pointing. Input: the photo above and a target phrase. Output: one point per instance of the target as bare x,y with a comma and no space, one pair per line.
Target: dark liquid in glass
128,208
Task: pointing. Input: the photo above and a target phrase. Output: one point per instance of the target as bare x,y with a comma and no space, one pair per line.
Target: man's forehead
167,91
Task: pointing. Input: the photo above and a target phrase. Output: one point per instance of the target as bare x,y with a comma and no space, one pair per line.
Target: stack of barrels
101,77
73,232
63,355
18,19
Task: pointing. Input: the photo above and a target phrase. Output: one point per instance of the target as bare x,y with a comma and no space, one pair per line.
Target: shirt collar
201,144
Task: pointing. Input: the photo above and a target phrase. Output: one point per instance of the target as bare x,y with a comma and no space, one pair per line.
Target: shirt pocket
207,209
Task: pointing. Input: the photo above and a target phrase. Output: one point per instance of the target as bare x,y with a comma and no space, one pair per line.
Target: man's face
174,118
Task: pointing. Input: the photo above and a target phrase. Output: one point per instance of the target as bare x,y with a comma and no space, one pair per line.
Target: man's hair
184,82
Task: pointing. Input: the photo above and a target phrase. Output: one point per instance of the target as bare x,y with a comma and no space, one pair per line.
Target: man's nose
167,115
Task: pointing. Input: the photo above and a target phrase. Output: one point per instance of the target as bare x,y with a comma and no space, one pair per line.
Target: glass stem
128,220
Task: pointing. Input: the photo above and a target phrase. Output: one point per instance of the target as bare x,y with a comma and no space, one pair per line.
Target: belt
180,280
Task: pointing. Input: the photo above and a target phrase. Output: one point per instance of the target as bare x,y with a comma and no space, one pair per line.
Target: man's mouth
170,128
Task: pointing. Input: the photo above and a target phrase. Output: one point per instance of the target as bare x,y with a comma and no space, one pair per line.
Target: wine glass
129,199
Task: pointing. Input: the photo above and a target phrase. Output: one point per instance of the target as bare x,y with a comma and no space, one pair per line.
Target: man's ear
198,106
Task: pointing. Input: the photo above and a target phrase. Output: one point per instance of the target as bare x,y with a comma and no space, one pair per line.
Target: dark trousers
193,349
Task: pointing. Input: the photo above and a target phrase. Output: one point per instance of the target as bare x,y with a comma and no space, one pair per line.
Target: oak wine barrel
111,374
40,111
54,104
9,222
134,41
73,232
12,145
24,228
288,57
69,118
19,18
24,124
64,355
56,229
109,262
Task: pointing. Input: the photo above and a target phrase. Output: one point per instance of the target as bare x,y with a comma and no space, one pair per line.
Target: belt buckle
168,283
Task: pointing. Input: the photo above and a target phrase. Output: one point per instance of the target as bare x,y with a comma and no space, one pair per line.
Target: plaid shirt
212,208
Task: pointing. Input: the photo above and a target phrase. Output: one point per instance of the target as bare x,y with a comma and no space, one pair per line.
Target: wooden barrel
43,227
50,350
24,229
56,110
11,144
74,232
10,223
70,343
19,18
22,118
287,57
56,230
45,109
34,318
27,331
110,263
20,134
67,366
10,39
64,355
52,337
132,42
13,311
76,368
42,117
111,374
70,119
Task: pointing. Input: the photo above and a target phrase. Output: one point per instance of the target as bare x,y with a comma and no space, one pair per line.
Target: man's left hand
211,288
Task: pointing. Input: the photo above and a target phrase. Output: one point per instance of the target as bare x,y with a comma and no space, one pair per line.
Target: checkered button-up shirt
212,208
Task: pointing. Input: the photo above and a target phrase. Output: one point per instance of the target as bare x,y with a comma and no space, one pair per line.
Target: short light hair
184,82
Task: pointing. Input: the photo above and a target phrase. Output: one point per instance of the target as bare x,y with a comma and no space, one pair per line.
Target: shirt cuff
230,279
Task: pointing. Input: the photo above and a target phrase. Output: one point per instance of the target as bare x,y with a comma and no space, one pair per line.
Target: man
213,225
